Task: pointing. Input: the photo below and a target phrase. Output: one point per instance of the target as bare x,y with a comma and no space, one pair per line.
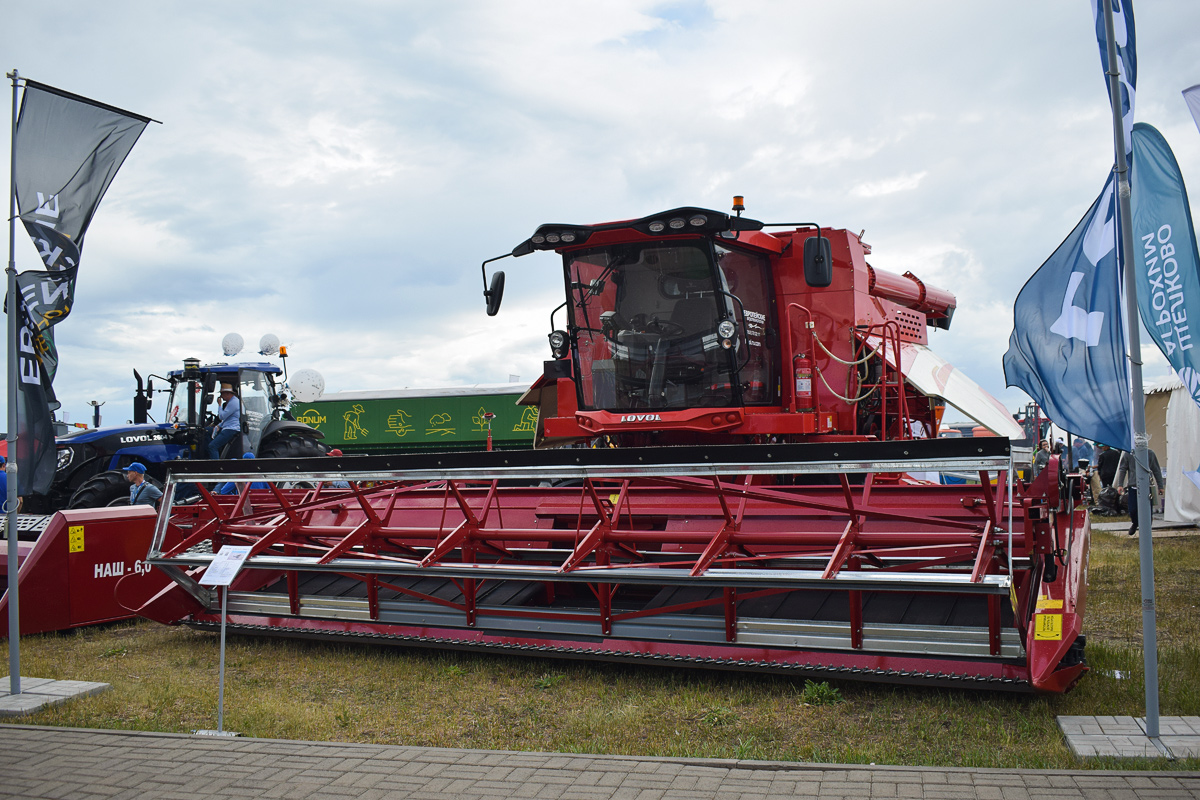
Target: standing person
1041,458
4,487
1082,448
1106,465
1126,482
1081,452
229,421
141,491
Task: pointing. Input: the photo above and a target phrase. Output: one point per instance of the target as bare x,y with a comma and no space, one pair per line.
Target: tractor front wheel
104,489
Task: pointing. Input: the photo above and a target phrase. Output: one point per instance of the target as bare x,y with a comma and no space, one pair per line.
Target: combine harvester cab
738,416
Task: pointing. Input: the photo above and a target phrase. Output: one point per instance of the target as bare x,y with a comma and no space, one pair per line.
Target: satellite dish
307,385
268,345
232,344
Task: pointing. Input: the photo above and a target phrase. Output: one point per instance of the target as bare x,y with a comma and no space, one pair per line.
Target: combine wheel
292,447
104,489
1076,654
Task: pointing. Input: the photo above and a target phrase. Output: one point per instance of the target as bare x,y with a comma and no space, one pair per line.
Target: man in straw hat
229,421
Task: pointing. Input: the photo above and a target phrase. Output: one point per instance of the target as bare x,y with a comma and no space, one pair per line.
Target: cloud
900,183
336,174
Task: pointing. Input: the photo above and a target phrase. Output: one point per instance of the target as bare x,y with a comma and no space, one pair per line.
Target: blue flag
1126,56
1067,349
1164,243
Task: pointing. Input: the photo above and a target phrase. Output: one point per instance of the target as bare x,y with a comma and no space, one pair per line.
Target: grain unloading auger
737,416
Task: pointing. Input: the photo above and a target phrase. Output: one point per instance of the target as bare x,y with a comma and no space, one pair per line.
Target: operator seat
697,319
696,364
696,315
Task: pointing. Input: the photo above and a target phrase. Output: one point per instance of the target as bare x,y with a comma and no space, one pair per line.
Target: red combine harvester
728,437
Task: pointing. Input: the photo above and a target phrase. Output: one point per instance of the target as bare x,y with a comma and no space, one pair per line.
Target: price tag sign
225,565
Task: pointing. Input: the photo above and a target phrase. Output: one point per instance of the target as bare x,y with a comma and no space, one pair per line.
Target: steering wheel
209,419
664,327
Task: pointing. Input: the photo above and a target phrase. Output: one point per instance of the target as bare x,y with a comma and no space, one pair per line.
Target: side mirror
495,293
818,266
149,392
210,383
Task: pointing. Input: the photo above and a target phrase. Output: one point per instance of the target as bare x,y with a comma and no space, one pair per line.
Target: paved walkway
1159,528
37,693
43,762
1125,737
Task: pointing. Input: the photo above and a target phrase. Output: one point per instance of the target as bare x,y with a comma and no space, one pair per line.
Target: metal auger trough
815,559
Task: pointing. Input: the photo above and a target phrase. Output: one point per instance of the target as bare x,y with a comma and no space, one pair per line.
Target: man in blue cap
141,491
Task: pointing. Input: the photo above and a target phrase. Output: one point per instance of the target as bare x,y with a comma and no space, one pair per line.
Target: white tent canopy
1180,428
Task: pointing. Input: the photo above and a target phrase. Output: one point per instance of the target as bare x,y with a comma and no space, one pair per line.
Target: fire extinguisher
804,383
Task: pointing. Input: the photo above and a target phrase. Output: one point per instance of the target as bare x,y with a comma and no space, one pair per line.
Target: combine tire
292,447
104,489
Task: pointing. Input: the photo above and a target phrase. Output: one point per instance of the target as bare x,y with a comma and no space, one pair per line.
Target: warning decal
1047,627
75,539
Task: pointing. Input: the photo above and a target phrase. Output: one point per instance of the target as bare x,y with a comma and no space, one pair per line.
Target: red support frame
606,536
871,532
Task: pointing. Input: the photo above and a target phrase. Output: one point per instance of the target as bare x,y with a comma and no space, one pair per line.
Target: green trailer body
422,419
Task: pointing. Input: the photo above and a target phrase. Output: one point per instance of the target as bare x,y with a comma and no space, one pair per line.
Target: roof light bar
675,221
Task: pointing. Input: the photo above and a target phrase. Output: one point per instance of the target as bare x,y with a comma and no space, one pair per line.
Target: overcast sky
335,173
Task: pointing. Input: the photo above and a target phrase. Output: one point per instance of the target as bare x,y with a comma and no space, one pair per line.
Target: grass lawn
165,679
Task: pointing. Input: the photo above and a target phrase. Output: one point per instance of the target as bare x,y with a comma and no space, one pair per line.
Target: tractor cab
193,399
90,462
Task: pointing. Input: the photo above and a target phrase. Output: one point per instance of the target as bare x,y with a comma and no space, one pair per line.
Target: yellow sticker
75,539
1012,596
1047,602
613,498
1047,627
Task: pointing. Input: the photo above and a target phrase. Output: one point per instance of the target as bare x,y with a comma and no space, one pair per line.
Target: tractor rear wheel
292,447
104,489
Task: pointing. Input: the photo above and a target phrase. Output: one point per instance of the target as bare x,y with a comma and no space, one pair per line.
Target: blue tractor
90,462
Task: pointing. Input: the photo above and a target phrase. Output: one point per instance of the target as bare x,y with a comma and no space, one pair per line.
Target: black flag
67,149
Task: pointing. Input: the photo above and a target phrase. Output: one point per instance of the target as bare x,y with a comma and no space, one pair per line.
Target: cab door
746,277
254,391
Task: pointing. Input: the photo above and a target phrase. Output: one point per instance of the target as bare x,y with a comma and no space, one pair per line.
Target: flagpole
1138,401
10,502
